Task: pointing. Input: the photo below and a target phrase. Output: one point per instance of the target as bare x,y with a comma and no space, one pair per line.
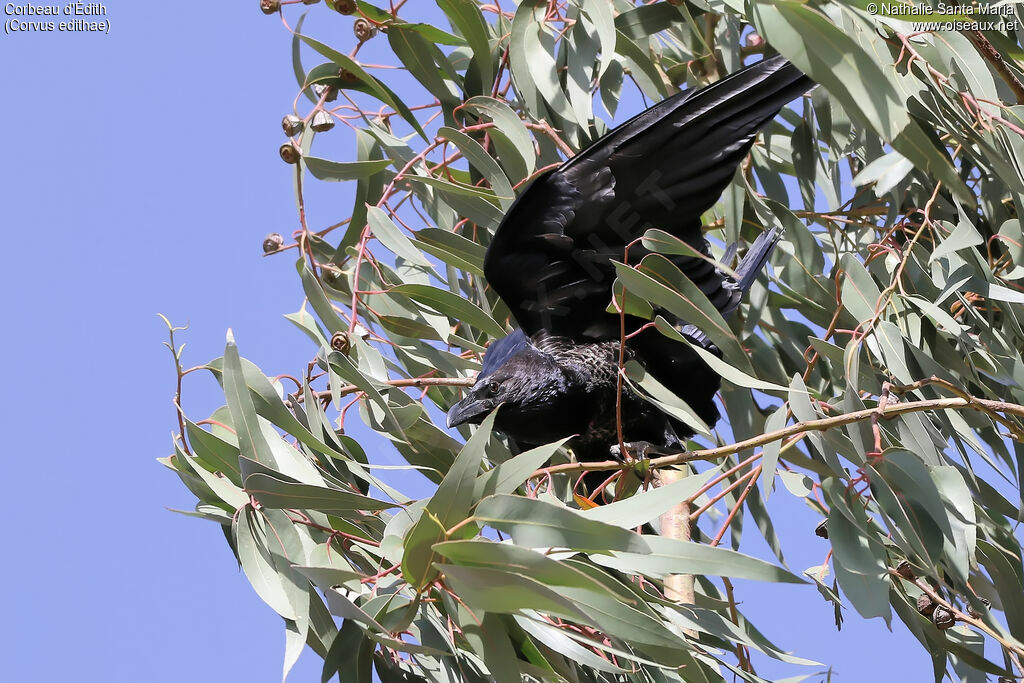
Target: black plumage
551,262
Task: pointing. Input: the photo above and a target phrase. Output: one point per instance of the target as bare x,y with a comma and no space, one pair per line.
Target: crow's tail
756,257
750,267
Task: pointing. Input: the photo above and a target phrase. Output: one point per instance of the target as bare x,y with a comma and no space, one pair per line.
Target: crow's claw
635,450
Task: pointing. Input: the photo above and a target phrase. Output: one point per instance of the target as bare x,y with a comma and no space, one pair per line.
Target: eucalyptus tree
876,375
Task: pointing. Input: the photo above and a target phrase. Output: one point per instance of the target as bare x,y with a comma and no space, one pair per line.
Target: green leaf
770,452
658,394
959,547
418,56
596,594
907,494
491,641
251,441
431,33
638,59
456,189
557,640
885,172
452,305
268,405
963,237
248,530
349,170
418,560
539,524
510,126
318,300
859,556
482,161
510,475
454,496
232,495
670,556
600,14
832,57
467,17
349,372
533,66
890,339
502,592
214,452
1012,239
727,372
350,654
389,234
1006,577
328,577
860,294
372,85
662,284
646,506
300,73
453,249
276,493
646,20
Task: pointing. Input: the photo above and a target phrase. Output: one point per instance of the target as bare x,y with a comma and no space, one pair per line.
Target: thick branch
886,412
987,50
676,524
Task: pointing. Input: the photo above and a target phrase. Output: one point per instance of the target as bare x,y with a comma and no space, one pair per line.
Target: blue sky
140,175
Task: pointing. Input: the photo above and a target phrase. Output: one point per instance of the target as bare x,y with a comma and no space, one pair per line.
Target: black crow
551,262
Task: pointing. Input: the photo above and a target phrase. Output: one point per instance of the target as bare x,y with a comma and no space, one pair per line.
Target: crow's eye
492,388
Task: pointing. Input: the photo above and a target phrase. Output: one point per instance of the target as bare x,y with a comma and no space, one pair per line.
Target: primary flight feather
551,260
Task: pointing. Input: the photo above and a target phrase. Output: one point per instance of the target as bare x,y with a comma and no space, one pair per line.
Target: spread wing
550,257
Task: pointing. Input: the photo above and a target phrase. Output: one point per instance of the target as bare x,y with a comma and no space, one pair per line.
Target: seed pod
322,121
925,604
341,343
289,153
822,529
975,613
904,569
291,124
345,6
329,93
363,29
943,618
330,276
272,243
270,6
310,2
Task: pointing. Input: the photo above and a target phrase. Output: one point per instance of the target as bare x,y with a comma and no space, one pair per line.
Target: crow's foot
635,450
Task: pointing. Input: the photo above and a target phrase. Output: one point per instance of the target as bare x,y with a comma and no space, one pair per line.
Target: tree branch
987,50
962,616
888,412
409,382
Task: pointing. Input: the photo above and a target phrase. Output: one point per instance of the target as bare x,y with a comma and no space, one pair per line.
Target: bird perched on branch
551,260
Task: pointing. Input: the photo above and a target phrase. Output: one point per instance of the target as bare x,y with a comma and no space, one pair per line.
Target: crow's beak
468,410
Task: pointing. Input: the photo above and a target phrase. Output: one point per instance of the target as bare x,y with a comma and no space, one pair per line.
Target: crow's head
528,385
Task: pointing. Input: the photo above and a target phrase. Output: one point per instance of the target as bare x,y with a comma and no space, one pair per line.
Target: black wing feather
550,259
